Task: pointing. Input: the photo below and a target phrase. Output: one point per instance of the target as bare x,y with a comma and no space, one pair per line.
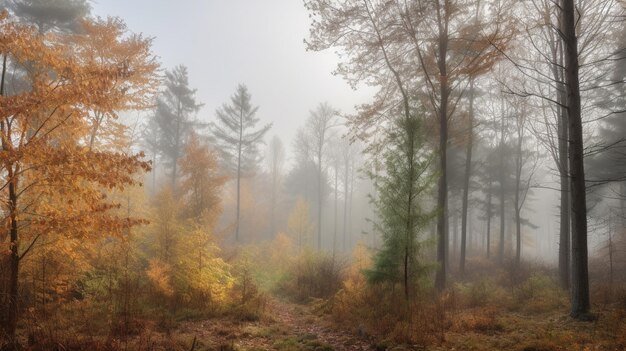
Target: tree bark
489,214
455,235
501,174
468,171
12,316
319,199
518,209
442,198
14,259
345,204
239,147
272,233
336,208
564,226
562,165
580,275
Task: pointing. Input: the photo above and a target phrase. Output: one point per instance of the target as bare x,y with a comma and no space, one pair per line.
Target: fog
312,175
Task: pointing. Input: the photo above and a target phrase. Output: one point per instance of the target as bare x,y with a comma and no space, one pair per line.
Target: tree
150,135
595,26
58,15
468,174
299,225
202,181
315,137
184,260
301,180
335,163
525,166
400,217
349,152
136,84
487,173
238,139
174,116
50,181
275,162
580,274
409,49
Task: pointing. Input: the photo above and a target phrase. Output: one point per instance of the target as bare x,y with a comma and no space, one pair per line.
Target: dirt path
287,327
303,323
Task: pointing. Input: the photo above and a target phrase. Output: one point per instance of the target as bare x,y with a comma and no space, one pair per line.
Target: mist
313,175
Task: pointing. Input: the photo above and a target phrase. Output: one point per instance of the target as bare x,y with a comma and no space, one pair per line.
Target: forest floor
480,329
290,327
286,326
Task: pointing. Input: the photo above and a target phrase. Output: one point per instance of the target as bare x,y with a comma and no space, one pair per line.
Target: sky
259,43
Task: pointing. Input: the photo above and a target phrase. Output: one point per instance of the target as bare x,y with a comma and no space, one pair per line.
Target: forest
313,175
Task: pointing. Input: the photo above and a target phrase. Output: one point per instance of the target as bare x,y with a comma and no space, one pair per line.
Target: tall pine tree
175,118
238,139
407,177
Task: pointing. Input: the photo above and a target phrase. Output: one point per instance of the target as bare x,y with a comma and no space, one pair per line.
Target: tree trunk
406,273
580,274
409,230
350,239
564,226
622,203
518,205
14,260
610,256
489,214
179,114
562,166
466,181
239,148
442,198
455,235
154,155
319,200
501,173
345,205
272,232
12,316
518,232
336,209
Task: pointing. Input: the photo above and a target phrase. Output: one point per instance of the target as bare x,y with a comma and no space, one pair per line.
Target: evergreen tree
174,117
407,177
47,15
238,139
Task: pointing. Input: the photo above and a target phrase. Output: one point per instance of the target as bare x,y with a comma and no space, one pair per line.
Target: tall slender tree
580,274
238,137
175,117
317,135
275,163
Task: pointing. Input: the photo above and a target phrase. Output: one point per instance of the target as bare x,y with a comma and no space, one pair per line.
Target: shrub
313,276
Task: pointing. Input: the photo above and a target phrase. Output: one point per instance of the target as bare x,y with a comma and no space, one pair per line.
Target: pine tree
174,117
238,139
406,178
58,15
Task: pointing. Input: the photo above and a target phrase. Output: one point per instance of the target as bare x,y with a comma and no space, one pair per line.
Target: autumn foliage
53,182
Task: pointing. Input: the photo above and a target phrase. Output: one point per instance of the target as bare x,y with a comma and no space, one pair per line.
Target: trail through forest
288,326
